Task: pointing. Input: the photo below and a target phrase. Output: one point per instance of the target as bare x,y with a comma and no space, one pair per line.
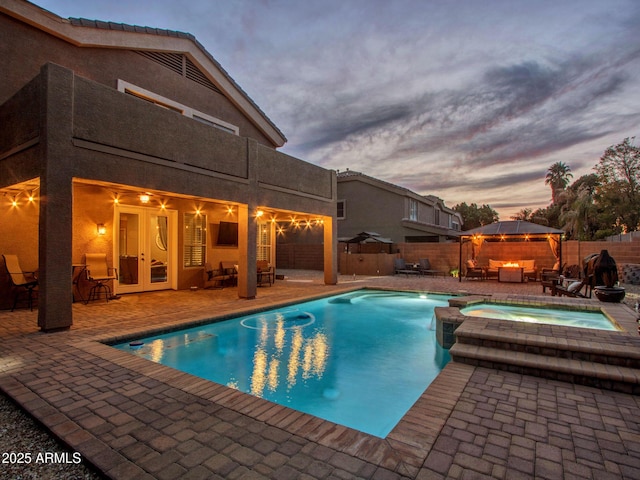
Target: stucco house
367,204
134,142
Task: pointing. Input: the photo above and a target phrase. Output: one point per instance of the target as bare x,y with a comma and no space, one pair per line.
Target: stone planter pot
609,294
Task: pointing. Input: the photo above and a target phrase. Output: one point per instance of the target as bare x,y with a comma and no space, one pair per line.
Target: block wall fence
377,259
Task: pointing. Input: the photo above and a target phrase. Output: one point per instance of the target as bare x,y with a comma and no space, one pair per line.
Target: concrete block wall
368,260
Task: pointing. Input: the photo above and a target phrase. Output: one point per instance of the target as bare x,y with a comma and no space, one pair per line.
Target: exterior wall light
101,229
144,198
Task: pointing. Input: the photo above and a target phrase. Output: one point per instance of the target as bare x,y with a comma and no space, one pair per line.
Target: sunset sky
469,100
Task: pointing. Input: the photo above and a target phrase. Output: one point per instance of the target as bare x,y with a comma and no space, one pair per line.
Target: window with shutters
195,240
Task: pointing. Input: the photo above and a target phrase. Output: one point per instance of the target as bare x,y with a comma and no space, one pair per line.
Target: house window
195,240
163,102
413,210
437,217
341,209
264,242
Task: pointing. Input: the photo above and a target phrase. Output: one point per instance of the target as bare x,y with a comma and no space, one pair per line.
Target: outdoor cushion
527,264
574,287
495,264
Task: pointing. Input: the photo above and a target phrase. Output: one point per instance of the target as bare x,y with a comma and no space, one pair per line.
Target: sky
468,100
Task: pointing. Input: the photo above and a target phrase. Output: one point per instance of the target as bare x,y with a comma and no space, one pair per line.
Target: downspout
460,261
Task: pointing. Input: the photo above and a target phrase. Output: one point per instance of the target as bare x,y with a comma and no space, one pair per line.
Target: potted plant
605,273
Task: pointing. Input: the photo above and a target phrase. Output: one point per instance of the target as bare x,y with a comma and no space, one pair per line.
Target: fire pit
511,272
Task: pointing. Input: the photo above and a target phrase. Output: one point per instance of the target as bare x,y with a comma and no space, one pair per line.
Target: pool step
612,367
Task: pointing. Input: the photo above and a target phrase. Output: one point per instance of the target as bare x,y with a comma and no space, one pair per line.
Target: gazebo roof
369,237
512,227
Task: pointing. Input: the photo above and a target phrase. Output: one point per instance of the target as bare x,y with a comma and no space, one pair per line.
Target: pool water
360,359
549,316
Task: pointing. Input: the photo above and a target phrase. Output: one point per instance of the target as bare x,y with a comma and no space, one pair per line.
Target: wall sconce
101,228
144,197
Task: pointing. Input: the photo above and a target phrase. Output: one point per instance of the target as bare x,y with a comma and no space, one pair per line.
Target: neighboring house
134,142
366,204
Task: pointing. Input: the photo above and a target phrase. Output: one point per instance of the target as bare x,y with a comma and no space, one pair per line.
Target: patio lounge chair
400,266
99,273
575,289
29,282
425,268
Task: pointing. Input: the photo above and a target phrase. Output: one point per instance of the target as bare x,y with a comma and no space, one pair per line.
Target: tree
558,177
579,215
523,215
619,177
474,216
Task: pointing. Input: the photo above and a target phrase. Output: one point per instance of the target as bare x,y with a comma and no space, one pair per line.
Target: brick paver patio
135,419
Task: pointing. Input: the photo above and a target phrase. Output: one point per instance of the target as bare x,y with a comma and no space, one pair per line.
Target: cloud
470,102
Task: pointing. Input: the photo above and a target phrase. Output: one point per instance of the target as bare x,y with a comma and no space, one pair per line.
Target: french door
146,248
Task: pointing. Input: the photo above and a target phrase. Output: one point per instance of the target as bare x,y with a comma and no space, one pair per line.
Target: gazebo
512,230
371,237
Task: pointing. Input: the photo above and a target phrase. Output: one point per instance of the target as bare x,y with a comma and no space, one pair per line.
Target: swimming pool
550,316
360,359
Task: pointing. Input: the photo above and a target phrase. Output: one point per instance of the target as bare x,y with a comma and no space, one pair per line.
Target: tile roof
124,27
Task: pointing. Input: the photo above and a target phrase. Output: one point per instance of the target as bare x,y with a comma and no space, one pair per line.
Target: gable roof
349,175
99,34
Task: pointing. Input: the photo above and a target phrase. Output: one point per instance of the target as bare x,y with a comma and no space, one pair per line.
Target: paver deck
134,419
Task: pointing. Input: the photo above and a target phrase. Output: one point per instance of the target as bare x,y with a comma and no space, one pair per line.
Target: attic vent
173,61
181,65
194,73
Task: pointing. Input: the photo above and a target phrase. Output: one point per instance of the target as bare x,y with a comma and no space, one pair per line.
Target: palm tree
523,215
558,176
579,213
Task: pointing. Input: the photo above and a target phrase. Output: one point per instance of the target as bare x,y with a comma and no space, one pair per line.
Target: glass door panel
129,248
158,228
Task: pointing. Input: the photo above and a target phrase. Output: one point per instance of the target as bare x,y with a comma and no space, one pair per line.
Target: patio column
55,234
247,253
330,244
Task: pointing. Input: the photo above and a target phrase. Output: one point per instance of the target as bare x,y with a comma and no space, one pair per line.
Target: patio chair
99,274
549,278
572,271
474,271
266,273
21,281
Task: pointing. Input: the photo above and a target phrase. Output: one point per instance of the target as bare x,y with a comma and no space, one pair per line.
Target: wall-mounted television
227,234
